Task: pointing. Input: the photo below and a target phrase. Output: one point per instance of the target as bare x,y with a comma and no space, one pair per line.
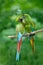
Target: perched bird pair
24,25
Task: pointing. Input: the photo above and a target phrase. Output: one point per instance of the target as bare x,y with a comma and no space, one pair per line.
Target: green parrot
24,25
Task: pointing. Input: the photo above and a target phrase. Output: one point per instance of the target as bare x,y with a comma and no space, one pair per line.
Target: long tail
19,46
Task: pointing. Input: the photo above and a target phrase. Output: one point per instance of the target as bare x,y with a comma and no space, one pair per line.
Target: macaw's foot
17,56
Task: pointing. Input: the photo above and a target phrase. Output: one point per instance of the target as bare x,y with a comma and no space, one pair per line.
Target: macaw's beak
20,20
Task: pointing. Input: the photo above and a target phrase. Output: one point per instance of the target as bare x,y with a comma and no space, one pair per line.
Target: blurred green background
9,10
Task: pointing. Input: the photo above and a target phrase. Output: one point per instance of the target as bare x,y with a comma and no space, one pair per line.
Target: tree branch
28,34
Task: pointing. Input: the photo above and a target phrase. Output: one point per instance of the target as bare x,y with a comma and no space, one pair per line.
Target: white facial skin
23,22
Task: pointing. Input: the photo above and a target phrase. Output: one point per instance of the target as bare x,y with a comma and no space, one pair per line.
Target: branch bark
28,34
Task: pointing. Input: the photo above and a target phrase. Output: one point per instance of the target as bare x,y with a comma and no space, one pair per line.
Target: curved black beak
20,20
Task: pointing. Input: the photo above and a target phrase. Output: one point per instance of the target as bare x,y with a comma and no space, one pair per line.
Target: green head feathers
26,21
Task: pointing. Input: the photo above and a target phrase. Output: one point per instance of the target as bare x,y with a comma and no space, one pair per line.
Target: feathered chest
24,28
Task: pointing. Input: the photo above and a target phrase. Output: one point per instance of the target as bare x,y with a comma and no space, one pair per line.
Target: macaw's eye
20,20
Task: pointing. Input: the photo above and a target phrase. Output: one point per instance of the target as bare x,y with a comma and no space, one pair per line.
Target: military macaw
25,24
